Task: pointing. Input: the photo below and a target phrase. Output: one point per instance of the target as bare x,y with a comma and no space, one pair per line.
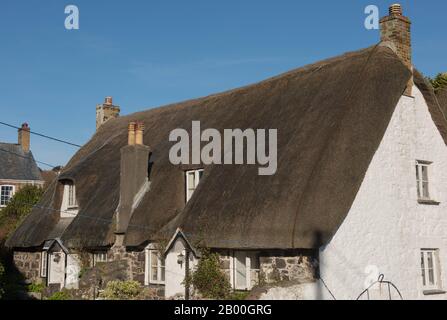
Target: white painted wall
73,270
175,273
304,291
386,227
56,268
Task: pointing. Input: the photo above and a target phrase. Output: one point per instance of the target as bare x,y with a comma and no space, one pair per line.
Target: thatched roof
442,98
331,117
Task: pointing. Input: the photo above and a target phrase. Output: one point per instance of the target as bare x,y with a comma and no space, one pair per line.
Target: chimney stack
24,137
134,180
396,29
106,111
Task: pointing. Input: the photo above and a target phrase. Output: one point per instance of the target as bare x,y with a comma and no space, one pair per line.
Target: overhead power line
19,155
43,135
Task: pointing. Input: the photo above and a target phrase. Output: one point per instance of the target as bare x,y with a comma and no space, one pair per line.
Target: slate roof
331,117
15,164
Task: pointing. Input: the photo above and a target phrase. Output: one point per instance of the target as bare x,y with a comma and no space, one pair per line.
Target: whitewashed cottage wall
386,226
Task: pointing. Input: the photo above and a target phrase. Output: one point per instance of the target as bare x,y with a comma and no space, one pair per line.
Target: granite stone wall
288,266
28,264
269,267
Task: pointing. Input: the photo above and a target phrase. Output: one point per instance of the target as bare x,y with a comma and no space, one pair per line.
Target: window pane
191,180
425,173
154,275
163,274
154,259
240,270
431,275
425,191
423,268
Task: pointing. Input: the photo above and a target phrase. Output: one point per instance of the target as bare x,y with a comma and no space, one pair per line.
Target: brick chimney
24,137
134,180
396,30
106,111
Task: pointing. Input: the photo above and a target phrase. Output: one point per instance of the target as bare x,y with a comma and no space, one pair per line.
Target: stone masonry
396,28
277,266
28,264
284,267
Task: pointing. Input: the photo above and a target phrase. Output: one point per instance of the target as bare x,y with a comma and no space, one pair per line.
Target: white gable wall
175,272
386,227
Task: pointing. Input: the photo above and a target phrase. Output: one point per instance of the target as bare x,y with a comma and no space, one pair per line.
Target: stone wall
136,261
268,267
279,266
28,264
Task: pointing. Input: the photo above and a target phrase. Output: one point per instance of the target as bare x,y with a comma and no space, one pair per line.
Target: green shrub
18,208
439,82
208,279
238,295
61,295
36,287
122,290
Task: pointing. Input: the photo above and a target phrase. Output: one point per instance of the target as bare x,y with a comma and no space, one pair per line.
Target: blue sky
151,53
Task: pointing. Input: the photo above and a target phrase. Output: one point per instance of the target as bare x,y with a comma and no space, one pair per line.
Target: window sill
429,202
433,292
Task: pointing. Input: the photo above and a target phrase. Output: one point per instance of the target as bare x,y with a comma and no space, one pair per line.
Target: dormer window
69,202
192,181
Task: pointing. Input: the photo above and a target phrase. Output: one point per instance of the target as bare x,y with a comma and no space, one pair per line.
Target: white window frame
11,194
197,177
436,267
248,269
43,264
99,257
69,210
421,181
161,268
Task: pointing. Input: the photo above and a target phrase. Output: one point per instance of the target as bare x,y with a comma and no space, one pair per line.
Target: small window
242,263
192,181
69,202
422,179
156,267
99,257
43,264
7,192
72,196
431,270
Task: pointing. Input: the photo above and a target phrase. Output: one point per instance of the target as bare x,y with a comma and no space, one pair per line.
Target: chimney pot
108,101
139,133
131,133
396,9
